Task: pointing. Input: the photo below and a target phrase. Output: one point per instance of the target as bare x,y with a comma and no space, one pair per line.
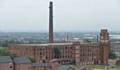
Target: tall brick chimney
51,22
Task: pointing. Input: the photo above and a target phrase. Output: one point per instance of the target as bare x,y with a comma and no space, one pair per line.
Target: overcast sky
69,15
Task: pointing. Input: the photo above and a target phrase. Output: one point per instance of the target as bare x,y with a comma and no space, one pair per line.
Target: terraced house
22,63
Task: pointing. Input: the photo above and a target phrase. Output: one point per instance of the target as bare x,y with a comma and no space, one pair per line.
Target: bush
5,52
112,55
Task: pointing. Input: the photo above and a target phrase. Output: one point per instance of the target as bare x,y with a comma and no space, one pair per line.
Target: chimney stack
51,22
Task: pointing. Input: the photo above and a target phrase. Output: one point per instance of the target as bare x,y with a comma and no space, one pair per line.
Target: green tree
5,52
112,55
57,52
31,59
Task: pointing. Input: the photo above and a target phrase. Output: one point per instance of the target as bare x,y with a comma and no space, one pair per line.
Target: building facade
6,63
22,63
74,52
115,48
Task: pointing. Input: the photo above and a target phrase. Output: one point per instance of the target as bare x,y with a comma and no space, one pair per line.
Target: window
11,67
43,61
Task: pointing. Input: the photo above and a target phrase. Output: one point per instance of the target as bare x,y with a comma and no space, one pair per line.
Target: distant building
115,47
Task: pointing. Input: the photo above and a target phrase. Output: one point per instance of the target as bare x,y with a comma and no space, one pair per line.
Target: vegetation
6,42
5,52
57,52
112,55
106,68
31,59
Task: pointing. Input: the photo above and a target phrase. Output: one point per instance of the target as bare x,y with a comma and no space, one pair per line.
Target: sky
69,15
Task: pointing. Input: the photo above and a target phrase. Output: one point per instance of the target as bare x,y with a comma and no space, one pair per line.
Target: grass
2,47
102,67
112,62
112,67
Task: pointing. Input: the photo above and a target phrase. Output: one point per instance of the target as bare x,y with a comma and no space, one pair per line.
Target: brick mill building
80,53
67,52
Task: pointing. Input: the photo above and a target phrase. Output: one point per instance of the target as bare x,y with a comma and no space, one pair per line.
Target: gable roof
22,60
5,59
41,65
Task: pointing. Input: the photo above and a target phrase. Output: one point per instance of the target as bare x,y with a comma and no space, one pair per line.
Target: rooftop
41,65
21,60
48,44
54,44
115,45
5,59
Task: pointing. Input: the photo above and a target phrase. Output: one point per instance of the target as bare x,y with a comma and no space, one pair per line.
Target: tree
112,55
31,59
5,52
57,52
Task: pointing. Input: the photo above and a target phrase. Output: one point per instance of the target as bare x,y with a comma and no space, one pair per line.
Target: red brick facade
6,63
81,53
6,66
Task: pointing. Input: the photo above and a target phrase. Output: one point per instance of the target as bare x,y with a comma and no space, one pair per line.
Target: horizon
57,31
